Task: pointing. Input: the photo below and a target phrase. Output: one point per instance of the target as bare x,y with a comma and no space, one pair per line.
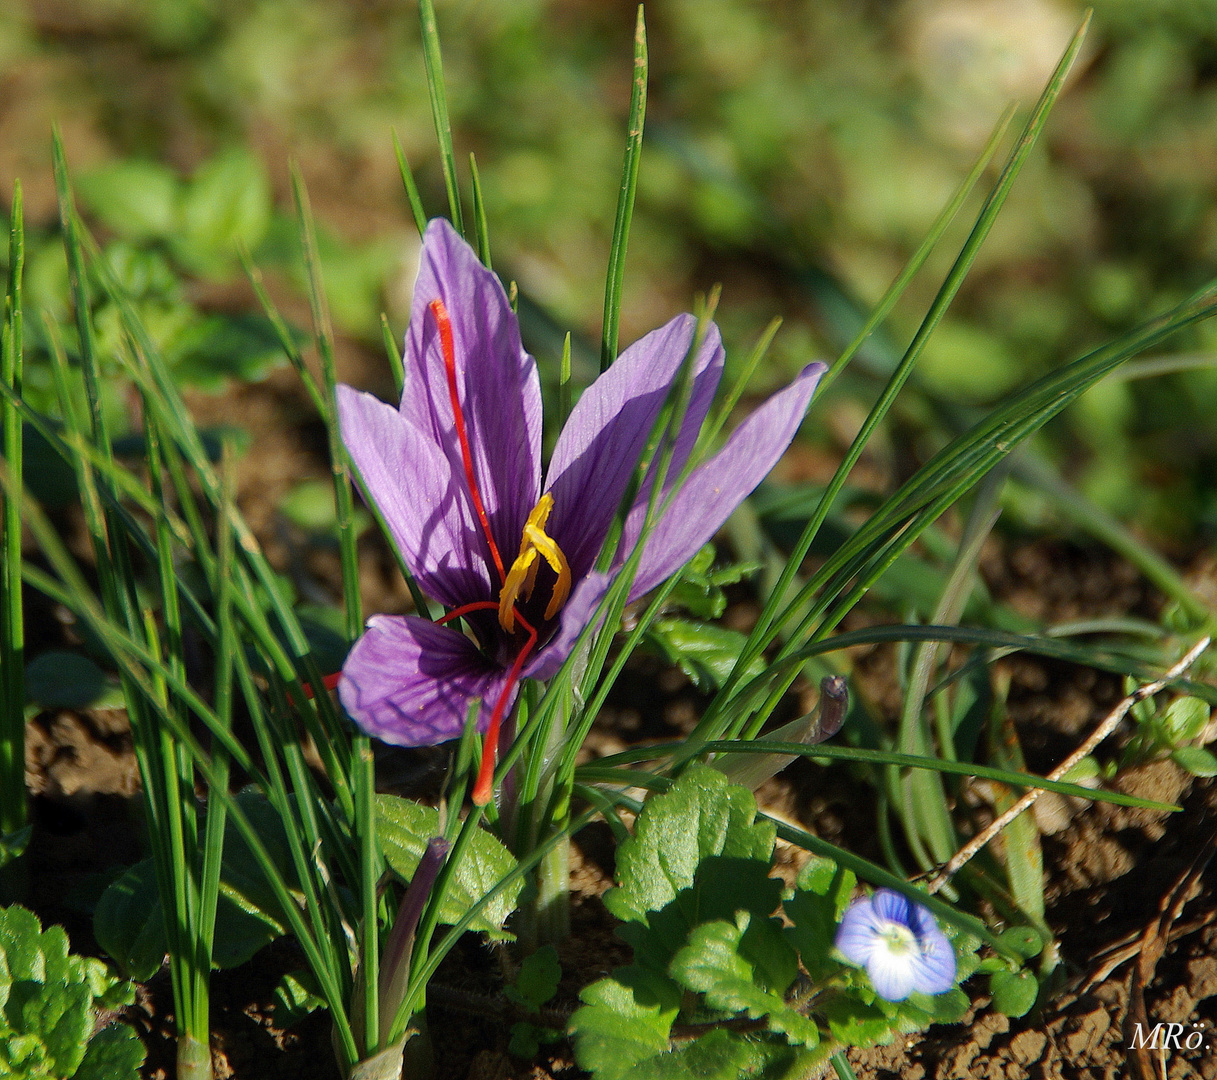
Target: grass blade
13,807
479,215
439,109
339,469
625,197
761,635
407,179
393,354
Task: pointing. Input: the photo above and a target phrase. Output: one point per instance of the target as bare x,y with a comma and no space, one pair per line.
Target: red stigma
330,682
448,348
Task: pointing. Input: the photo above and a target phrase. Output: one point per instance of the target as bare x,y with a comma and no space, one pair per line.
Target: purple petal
858,933
599,447
579,610
409,682
891,906
410,481
934,969
716,487
496,381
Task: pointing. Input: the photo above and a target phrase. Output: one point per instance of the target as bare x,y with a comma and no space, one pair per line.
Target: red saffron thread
447,347
483,789
465,609
328,681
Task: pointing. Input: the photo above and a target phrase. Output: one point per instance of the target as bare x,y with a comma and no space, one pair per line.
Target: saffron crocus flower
899,944
455,471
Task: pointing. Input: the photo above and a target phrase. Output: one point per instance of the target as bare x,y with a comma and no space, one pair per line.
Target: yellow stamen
523,573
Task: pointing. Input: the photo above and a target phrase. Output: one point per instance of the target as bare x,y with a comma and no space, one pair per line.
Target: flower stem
193,1059
546,921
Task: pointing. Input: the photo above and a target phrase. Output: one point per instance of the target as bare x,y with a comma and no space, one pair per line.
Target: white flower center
898,939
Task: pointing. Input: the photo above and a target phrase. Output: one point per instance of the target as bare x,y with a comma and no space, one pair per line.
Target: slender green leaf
439,109
625,198
407,179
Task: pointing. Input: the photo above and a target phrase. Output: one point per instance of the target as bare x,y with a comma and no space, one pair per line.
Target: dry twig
1109,724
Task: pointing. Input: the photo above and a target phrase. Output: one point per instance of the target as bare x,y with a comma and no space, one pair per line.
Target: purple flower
455,471
899,944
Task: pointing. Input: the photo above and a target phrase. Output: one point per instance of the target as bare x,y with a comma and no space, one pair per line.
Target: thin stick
1100,733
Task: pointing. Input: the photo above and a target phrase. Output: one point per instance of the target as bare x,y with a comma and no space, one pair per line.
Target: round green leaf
64,680
1185,719
1196,760
1024,940
1014,992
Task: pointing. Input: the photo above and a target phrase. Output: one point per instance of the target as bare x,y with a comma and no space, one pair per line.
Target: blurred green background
796,152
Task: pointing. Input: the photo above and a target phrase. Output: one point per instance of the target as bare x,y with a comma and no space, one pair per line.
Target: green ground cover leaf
1014,992
716,963
295,998
403,828
49,1001
537,980
705,653
128,923
700,816
815,909
114,1053
66,680
225,207
624,1020
136,199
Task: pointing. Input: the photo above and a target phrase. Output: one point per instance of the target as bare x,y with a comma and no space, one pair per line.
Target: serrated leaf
718,1055
706,653
1014,992
712,963
21,944
98,977
721,888
22,1055
699,587
294,998
56,964
700,816
59,1015
624,1020
815,909
856,1023
114,1053
403,828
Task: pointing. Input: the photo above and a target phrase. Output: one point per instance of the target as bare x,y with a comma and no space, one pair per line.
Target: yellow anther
523,573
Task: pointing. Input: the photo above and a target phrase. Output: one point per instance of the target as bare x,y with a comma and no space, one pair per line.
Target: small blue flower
899,944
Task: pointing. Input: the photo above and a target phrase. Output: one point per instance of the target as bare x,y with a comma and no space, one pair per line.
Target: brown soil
1130,900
